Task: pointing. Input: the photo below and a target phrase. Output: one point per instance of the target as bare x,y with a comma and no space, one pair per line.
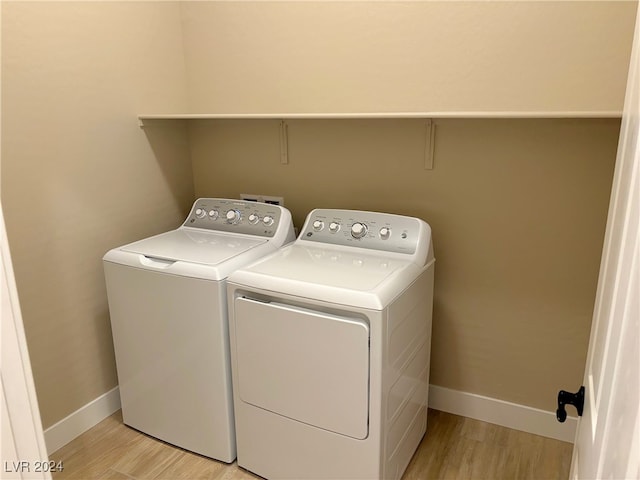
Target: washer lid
336,275
193,246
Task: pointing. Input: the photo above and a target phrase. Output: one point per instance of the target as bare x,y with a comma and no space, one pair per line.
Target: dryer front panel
306,365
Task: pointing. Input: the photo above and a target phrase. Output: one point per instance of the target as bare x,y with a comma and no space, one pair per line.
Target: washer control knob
334,227
200,213
233,216
254,218
213,214
358,230
268,220
385,233
318,225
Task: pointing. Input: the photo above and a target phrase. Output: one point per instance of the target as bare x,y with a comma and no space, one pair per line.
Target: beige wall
424,56
517,207
79,176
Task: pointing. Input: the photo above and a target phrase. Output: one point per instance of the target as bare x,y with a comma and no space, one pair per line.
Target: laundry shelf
377,115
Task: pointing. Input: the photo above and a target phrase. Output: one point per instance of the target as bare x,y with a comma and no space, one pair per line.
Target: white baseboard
506,414
499,412
70,427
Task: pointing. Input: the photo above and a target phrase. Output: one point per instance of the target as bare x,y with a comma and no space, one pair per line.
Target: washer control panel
372,230
239,216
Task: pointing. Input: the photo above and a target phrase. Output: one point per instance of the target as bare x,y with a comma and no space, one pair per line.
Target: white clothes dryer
330,348
168,308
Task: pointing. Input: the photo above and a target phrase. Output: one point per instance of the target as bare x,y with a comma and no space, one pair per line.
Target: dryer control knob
213,214
318,225
200,213
385,233
268,220
358,230
334,227
233,216
253,219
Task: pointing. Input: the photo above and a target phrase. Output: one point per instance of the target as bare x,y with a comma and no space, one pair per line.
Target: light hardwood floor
454,448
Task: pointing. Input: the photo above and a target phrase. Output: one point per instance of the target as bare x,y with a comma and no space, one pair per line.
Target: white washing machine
330,348
168,307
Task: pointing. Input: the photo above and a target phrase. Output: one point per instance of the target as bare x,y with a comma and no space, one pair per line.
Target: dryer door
306,365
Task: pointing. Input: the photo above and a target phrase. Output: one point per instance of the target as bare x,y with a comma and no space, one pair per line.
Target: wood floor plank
113,475
189,466
454,447
91,454
146,458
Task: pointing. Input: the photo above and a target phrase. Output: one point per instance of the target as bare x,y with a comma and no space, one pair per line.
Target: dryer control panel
238,216
370,230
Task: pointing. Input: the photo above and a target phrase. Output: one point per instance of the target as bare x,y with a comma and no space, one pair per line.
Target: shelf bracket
430,144
284,143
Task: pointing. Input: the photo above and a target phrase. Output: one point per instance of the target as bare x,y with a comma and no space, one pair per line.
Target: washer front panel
171,347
